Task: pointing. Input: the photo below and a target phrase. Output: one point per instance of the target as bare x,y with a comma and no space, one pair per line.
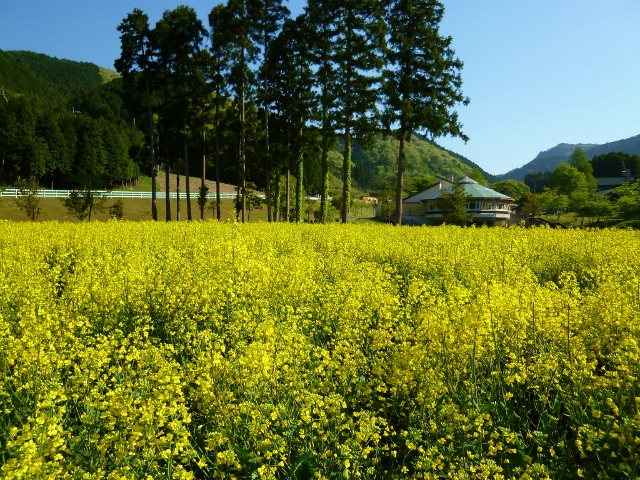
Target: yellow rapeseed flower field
206,350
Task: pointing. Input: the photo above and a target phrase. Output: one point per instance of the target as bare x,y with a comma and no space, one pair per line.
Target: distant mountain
549,159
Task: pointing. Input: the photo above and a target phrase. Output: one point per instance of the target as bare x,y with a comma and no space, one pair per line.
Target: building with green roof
488,207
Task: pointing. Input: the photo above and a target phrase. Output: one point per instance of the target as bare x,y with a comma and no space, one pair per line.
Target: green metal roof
472,188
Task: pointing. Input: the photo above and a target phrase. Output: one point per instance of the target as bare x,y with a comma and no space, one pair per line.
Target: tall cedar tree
321,33
219,69
358,49
422,81
202,111
134,65
281,85
269,17
294,84
161,67
243,53
182,42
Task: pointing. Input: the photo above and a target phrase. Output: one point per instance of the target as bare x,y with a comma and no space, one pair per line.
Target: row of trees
615,164
612,164
279,89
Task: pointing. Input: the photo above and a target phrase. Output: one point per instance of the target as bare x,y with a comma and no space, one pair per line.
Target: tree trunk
277,199
300,187
177,194
324,199
267,163
400,184
154,166
217,164
204,171
346,163
267,157
238,187
268,169
288,193
243,166
346,173
186,171
166,189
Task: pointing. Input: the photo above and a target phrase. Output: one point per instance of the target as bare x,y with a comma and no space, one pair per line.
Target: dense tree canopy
568,180
628,203
537,181
62,149
580,162
514,188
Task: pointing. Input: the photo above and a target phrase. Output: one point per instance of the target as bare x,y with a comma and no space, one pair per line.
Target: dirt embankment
194,184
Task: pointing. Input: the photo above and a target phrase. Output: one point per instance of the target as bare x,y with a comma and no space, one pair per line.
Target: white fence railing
14,192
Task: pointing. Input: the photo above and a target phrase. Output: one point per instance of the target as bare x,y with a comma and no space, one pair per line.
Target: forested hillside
66,76
41,137
53,79
423,159
18,78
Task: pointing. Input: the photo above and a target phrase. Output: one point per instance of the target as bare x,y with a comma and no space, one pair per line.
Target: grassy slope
134,210
108,75
51,209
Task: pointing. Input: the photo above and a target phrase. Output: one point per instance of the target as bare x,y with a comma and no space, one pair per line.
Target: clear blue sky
538,73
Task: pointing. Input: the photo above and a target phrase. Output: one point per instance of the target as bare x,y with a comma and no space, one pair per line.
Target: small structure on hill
606,184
